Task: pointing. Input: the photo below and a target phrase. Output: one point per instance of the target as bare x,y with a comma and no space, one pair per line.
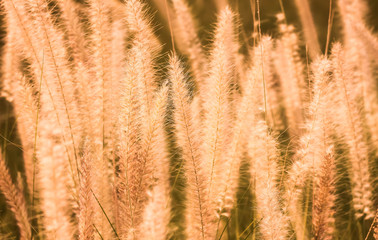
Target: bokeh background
205,11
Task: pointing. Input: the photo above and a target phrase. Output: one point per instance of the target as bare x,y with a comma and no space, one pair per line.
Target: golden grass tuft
223,133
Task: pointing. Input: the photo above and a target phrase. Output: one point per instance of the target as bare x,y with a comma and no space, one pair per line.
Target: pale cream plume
118,44
15,199
156,214
118,58
108,55
136,145
217,108
290,70
191,43
138,23
226,195
130,162
349,122
323,221
313,147
55,69
21,94
308,26
261,145
376,226
145,48
264,154
74,28
82,63
86,200
250,106
220,4
262,70
101,26
32,20
189,140
359,55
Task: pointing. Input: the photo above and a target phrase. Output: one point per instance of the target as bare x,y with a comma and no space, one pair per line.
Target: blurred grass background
205,13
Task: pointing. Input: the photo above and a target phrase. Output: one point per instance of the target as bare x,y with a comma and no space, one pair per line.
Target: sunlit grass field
189,119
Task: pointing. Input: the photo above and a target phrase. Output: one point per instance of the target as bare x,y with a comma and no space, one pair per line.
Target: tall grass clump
120,121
